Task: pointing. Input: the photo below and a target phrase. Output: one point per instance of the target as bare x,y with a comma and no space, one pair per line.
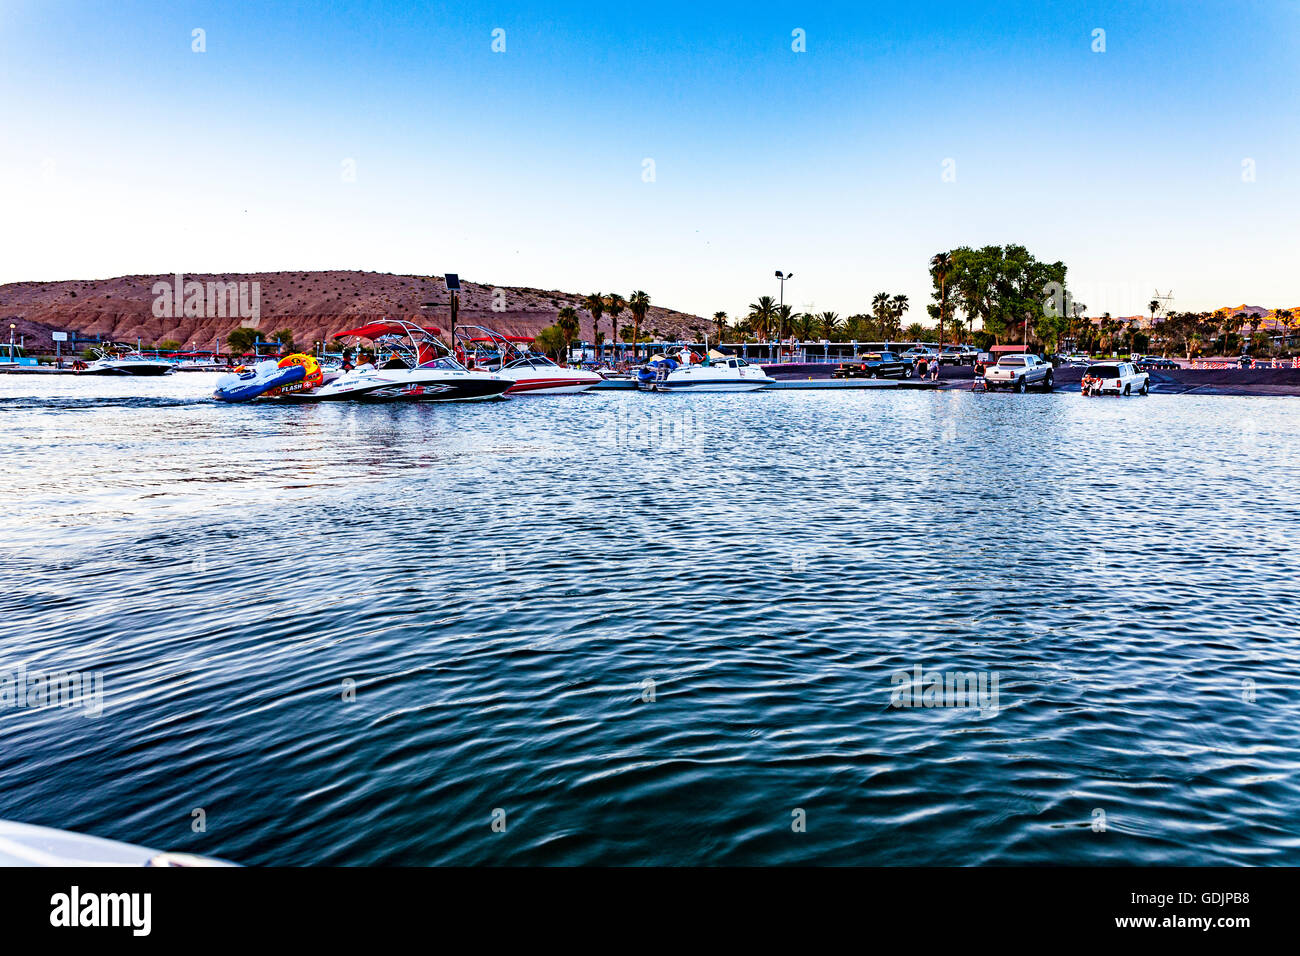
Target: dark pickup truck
875,365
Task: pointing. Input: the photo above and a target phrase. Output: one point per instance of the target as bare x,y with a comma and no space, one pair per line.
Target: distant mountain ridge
313,304
1257,311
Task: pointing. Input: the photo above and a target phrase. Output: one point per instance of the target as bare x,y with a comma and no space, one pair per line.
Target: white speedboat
127,363
411,365
530,372
24,845
537,375
718,373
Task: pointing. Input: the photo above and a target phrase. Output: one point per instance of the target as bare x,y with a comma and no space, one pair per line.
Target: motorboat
22,844
292,375
119,362
687,372
530,373
411,364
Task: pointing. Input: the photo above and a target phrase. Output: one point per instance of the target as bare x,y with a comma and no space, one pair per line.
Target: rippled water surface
656,628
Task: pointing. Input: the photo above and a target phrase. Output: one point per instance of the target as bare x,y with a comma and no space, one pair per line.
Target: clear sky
123,151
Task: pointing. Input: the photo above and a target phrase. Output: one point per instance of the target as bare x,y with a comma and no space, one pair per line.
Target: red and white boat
510,357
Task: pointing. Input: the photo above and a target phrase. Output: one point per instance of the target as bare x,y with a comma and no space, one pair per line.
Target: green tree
804,326
614,306
638,303
719,324
551,341
940,270
829,324
761,315
241,339
897,307
594,304
1005,287
883,313
784,320
567,323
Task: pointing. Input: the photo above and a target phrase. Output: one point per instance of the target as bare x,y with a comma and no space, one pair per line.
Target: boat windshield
444,362
531,361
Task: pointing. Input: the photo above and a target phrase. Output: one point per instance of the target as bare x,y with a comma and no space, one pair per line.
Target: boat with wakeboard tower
509,356
126,361
411,364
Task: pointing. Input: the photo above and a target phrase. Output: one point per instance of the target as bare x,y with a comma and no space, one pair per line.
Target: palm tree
804,325
1107,329
638,303
940,269
1238,323
897,306
595,304
1283,317
614,305
881,310
720,324
568,326
761,314
829,323
785,315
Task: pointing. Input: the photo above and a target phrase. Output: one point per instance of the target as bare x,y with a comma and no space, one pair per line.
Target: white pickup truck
1018,372
1115,378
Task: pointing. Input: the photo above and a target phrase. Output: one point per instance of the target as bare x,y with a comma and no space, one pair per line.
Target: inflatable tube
264,378
313,375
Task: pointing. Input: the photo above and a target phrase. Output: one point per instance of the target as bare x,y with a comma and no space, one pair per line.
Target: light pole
781,303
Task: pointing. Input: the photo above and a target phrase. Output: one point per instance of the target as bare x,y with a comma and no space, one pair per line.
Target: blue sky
125,152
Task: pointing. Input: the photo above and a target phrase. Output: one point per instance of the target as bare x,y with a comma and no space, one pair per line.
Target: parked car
1019,372
875,365
1148,362
1114,378
1076,359
958,355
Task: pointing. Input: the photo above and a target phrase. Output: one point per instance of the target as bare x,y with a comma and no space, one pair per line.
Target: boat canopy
423,340
387,327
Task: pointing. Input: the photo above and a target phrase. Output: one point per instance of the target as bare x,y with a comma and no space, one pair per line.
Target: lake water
667,629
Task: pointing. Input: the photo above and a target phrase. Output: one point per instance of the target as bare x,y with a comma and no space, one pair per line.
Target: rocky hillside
312,304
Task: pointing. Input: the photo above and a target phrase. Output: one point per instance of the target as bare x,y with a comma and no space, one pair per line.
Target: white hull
537,382
25,845
709,386
419,385
126,367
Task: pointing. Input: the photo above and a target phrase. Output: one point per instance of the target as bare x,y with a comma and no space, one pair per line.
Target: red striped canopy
376,329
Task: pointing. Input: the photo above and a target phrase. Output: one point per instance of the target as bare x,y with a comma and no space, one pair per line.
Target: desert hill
312,304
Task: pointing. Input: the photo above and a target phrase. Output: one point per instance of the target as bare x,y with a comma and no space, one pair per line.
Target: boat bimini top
414,346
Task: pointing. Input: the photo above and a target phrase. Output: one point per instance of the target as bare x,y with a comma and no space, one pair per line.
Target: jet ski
292,375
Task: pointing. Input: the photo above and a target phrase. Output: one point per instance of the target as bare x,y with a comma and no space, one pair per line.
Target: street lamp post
781,304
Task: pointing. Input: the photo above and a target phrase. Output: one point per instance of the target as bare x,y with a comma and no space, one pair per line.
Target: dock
800,383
